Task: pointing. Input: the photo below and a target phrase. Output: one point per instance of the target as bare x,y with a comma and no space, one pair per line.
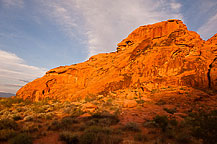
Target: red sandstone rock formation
151,57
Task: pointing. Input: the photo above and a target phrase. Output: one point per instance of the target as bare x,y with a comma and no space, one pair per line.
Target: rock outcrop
151,57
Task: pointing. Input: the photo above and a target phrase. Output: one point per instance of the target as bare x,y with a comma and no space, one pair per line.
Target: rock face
151,57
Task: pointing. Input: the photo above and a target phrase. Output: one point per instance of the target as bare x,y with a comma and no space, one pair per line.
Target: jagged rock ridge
151,57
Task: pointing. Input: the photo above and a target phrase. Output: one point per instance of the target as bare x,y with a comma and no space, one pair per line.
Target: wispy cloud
105,22
13,69
208,29
63,13
175,5
108,22
13,3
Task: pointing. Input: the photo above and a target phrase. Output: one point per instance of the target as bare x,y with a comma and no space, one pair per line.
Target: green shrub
204,126
76,112
161,121
30,128
5,134
22,138
149,124
173,122
69,137
161,102
140,137
155,91
131,126
38,109
55,125
65,124
99,135
183,138
103,119
8,124
8,102
17,117
171,111
140,101
90,97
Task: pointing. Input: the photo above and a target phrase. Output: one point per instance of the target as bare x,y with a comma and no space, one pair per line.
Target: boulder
129,104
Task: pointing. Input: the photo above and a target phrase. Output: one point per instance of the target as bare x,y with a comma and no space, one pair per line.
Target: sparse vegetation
140,137
8,124
22,138
171,111
161,102
140,101
75,125
5,134
69,137
204,126
161,121
131,126
183,138
99,135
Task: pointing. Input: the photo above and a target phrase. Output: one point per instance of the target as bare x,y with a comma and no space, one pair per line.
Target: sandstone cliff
151,57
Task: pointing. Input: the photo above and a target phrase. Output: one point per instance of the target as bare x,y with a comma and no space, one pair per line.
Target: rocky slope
151,57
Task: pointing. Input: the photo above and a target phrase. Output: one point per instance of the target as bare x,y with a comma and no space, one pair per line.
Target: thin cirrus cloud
14,73
208,29
104,23
13,3
100,25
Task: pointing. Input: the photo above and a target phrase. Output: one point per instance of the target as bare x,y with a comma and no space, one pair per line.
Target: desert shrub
48,116
8,124
140,137
103,119
149,124
69,137
99,135
170,133
38,109
42,102
8,102
131,126
171,111
28,118
30,128
55,125
5,134
161,121
204,126
17,117
183,138
90,97
66,124
76,112
22,138
155,91
173,122
160,102
140,101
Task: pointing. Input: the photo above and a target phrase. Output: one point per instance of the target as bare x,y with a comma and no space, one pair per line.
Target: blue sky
37,35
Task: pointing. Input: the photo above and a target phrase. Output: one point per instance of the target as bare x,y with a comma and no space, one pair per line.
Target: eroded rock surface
151,57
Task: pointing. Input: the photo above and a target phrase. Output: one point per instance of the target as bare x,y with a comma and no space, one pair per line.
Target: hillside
151,57
159,87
